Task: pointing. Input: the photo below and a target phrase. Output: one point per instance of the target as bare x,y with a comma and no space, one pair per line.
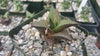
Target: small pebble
62,53
20,41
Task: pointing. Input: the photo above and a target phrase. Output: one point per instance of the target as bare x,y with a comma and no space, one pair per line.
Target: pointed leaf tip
64,24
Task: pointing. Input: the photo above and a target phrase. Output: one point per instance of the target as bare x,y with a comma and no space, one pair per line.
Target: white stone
28,33
20,41
30,43
37,44
26,27
21,31
73,44
37,34
45,54
2,41
31,47
62,53
33,38
33,28
69,53
37,37
38,51
73,28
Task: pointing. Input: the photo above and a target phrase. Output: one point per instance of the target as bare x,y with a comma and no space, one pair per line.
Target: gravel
92,50
80,19
13,8
9,5
90,18
15,21
31,42
78,15
6,44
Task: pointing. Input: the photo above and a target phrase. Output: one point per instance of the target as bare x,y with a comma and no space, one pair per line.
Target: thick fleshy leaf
52,25
41,30
53,18
64,24
41,23
41,26
62,35
51,14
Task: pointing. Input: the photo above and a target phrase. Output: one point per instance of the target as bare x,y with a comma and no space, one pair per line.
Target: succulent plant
3,3
66,4
85,12
54,27
19,5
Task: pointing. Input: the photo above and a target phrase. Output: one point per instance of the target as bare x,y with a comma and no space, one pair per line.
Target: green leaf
53,18
64,24
62,35
52,25
41,23
3,3
19,5
29,15
41,26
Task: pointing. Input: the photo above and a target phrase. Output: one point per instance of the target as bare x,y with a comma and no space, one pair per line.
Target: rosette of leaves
66,4
54,27
18,5
5,20
85,12
4,3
